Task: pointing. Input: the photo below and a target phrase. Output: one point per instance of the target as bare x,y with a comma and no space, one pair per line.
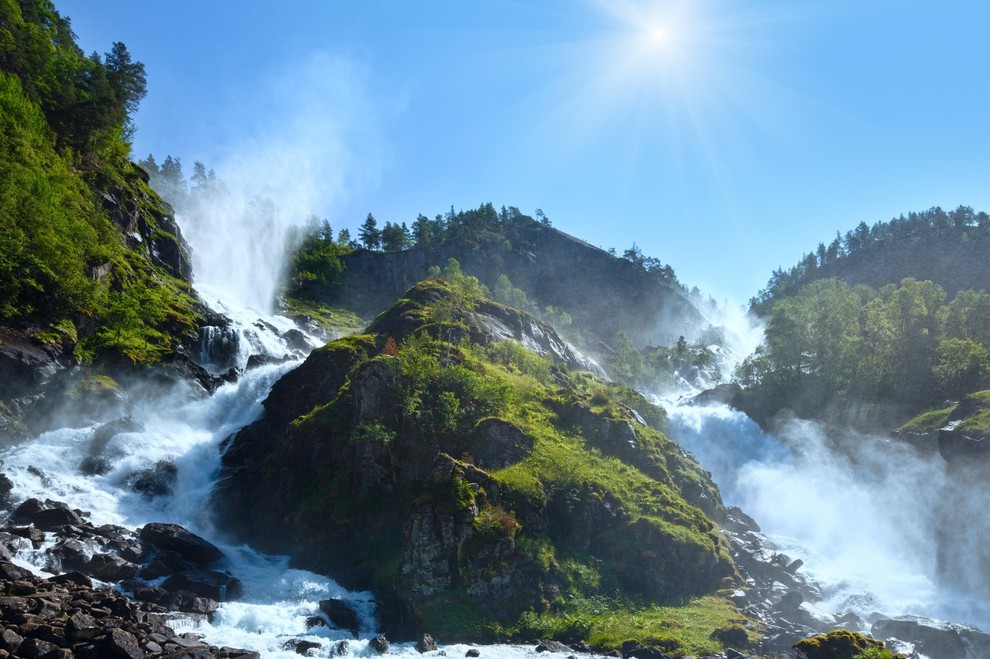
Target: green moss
336,321
839,644
929,421
526,522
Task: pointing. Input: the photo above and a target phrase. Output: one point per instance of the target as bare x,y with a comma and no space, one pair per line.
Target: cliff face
148,316
601,292
440,463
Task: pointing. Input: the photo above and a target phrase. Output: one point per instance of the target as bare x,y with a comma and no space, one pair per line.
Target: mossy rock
837,644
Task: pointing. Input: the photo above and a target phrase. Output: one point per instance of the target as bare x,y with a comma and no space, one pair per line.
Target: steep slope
946,248
467,479
603,293
93,268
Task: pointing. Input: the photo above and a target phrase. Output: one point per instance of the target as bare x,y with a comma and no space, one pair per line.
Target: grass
929,421
335,321
683,630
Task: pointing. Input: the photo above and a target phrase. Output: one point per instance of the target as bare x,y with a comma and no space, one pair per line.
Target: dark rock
82,627
548,645
35,648
11,572
218,586
107,567
379,644
25,512
201,605
10,640
296,340
341,615
500,444
185,543
340,649
789,602
315,621
734,636
426,644
300,646
155,481
36,536
472,652
6,485
935,638
237,653
76,578
74,554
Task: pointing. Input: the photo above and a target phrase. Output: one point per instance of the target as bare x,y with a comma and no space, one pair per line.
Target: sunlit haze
724,138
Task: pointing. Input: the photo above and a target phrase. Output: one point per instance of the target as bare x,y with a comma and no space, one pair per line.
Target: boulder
155,481
426,644
500,444
379,644
935,638
183,542
219,586
341,615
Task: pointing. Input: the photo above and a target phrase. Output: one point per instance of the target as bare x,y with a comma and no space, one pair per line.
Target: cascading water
861,518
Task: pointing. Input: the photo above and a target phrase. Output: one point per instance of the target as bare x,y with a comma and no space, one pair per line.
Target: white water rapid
861,518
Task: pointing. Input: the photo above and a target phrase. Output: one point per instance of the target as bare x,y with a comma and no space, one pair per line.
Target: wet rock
341,615
300,646
379,644
156,481
935,638
107,567
296,340
426,644
183,542
219,586
548,645
472,652
340,649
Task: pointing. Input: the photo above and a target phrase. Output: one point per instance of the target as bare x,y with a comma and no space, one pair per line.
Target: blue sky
725,137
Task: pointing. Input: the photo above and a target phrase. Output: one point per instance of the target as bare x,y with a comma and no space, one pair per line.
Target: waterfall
859,510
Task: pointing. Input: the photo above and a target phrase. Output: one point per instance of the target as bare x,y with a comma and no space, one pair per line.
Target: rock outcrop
408,447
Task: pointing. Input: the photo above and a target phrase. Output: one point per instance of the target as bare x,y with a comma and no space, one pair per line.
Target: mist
864,512
316,138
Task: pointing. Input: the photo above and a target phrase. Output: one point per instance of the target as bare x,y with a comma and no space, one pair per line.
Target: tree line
946,247
904,343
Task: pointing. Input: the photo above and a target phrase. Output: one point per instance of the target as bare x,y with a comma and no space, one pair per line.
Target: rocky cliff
149,316
466,478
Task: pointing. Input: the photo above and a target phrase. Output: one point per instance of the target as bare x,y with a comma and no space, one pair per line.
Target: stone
472,652
121,643
35,648
155,481
107,567
935,638
182,541
341,615
215,585
82,627
426,644
548,645
300,646
340,649
500,444
379,644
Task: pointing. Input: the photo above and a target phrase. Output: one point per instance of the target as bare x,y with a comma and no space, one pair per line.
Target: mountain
93,267
946,248
602,293
876,328
474,479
